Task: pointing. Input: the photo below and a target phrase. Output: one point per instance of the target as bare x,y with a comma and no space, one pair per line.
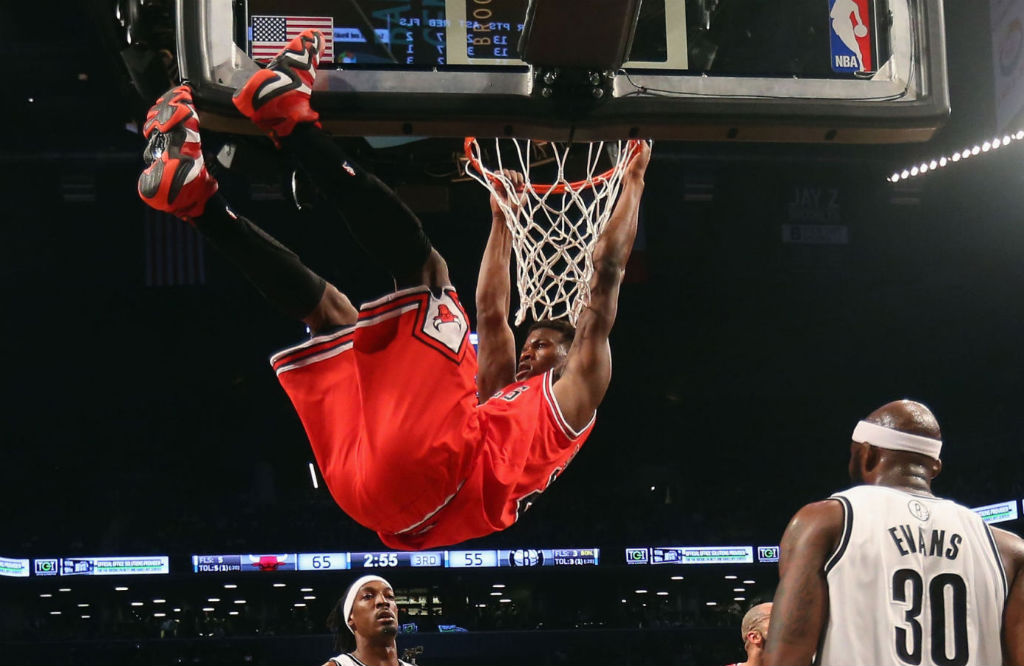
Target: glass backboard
843,71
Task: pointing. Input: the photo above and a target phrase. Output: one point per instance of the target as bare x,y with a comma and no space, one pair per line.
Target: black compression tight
381,223
274,269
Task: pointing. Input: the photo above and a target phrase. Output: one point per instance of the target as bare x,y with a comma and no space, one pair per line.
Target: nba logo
850,35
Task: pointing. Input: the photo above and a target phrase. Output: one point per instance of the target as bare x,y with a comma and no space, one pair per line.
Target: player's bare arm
333,310
1011,550
496,355
588,368
800,607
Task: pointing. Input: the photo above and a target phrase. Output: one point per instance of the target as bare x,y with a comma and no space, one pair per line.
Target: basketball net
554,225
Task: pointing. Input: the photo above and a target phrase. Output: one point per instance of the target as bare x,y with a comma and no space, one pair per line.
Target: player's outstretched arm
588,368
495,342
800,607
1011,550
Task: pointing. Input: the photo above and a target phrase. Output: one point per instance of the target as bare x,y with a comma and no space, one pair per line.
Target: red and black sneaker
176,180
276,98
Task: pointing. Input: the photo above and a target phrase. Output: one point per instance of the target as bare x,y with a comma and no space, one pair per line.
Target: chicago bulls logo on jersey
444,322
444,316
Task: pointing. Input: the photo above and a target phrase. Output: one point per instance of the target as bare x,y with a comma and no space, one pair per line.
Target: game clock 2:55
379,560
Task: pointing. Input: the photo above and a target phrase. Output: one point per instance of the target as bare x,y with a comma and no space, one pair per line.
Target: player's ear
936,468
872,456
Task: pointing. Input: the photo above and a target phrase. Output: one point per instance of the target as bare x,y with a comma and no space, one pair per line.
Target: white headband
887,438
353,590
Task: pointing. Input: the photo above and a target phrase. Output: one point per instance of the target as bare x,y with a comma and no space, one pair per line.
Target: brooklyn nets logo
918,510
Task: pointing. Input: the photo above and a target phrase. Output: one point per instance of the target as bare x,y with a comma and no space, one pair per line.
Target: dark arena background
159,506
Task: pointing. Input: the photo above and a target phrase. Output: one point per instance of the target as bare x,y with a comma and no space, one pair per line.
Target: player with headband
888,573
416,435
364,622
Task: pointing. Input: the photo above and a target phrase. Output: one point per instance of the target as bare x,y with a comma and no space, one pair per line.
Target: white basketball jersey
346,659
915,580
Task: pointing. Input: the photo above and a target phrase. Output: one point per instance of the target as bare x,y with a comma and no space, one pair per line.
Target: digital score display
393,33
524,557
432,559
427,33
323,561
242,563
394,559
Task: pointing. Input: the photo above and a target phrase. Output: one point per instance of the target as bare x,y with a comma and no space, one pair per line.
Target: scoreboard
428,33
435,559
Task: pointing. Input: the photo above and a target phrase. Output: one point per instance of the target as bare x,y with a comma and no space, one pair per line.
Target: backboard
842,71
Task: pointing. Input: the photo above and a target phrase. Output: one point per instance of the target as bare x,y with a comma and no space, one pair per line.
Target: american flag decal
270,34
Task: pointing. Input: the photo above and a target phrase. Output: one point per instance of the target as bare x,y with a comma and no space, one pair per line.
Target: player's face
544,349
374,612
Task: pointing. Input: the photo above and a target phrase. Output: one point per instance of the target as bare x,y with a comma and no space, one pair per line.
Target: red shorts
389,407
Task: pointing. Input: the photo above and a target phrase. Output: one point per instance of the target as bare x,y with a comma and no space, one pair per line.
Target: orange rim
561,188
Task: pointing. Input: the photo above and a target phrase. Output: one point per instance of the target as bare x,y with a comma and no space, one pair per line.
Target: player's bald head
898,443
906,416
756,619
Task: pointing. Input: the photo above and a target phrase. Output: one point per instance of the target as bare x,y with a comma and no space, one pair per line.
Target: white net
554,225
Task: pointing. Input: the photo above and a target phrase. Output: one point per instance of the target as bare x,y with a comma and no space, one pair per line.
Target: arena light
280,585
64,589
711,603
159,601
299,605
749,581
230,586
941,161
640,591
662,594
305,589
731,577
504,601
137,604
45,595
159,614
739,589
498,585
86,617
242,601
213,600
208,609
121,588
739,598
54,612
308,597
497,594
232,612
312,475
677,578
83,605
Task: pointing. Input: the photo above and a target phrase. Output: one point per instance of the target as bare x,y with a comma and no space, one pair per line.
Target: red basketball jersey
390,409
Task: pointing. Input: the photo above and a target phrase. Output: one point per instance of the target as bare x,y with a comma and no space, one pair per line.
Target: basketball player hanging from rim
388,393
